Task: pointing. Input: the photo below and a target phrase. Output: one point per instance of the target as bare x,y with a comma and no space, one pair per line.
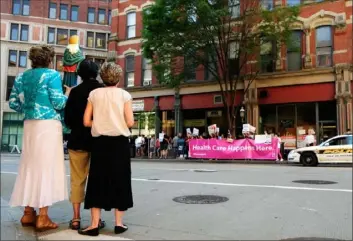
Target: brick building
25,23
310,87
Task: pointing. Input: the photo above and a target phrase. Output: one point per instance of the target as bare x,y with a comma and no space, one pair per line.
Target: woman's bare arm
87,117
128,113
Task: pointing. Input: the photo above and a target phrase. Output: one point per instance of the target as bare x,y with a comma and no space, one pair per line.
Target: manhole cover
323,239
315,182
200,199
203,170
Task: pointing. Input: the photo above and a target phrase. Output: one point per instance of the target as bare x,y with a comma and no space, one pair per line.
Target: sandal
101,224
29,218
44,223
76,226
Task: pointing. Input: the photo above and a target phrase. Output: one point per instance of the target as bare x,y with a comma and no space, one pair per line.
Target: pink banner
237,150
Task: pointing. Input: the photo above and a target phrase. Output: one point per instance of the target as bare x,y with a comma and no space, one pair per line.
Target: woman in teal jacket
41,180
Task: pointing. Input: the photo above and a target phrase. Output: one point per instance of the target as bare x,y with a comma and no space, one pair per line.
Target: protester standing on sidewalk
80,139
109,180
41,180
152,147
175,145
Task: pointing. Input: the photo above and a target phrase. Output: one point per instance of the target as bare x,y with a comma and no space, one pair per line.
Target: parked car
338,149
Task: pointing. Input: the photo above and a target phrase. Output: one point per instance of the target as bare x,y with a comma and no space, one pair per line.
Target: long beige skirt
41,179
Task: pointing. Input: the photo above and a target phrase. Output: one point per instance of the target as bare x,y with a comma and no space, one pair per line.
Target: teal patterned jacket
37,93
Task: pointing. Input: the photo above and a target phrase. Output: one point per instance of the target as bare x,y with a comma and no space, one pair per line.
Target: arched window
324,44
294,51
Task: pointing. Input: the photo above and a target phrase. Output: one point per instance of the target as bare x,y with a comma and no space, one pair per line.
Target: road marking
245,185
233,184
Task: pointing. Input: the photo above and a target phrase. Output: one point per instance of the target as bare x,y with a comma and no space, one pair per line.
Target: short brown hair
111,73
41,56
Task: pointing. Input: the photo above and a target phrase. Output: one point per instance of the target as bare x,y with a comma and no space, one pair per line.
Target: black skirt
109,180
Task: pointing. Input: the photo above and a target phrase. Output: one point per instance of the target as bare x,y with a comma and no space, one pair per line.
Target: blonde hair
111,73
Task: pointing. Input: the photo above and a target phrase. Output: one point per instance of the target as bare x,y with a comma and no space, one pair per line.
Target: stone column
157,119
307,60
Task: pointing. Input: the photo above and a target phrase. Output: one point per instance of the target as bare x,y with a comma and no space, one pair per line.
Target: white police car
335,150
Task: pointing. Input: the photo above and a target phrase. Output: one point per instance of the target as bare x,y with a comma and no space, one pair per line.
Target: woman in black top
80,139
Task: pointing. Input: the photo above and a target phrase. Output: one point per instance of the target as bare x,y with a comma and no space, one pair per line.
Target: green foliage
205,33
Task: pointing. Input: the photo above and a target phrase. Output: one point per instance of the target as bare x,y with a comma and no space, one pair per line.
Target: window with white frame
19,32
324,45
131,25
146,72
62,37
23,59
51,36
234,8
129,70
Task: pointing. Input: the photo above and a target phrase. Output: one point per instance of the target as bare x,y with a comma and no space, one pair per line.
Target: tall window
12,58
23,59
294,50
293,2
146,72
109,17
14,31
129,71
189,67
267,57
64,12
234,8
324,46
52,10
10,83
51,35
101,16
74,13
131,25
62,37
16,7
24,32
25,7
233,58
59,63
91,15
90,39
101,40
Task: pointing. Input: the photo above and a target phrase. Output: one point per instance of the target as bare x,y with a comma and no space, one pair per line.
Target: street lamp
242,113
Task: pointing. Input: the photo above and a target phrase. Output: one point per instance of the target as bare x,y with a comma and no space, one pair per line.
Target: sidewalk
11,229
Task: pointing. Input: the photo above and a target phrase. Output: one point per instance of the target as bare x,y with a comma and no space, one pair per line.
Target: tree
225,39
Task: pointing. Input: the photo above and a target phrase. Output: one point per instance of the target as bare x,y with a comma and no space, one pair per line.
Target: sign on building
138,105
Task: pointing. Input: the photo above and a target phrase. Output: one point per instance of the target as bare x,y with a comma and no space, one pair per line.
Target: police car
335,150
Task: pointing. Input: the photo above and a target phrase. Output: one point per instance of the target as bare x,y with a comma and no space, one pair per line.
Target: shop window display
306,122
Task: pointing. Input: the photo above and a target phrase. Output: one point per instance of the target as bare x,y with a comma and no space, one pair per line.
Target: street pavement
263,204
